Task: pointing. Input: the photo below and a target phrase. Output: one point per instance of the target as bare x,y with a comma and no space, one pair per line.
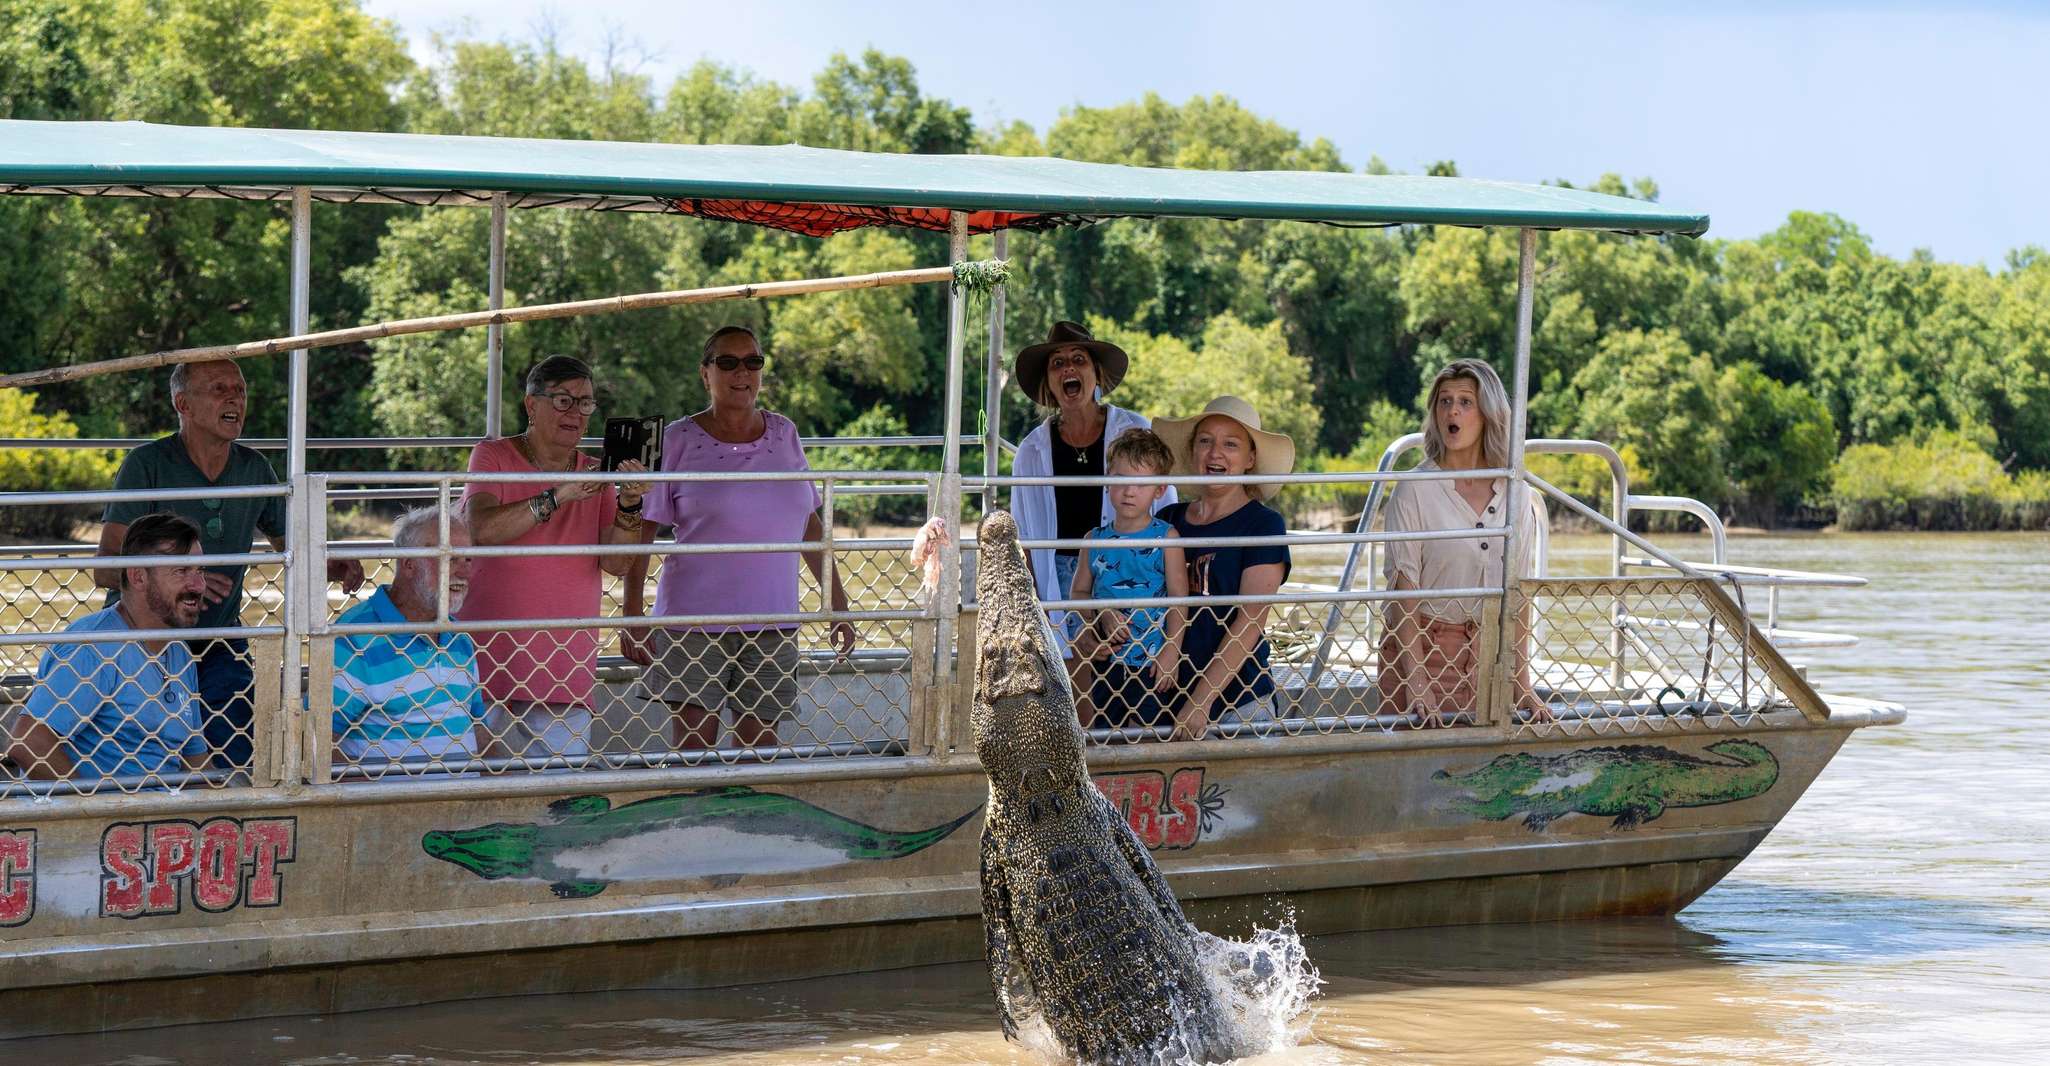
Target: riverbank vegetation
1798,376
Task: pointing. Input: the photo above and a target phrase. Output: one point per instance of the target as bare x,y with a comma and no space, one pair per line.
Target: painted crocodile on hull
585,839
1632,784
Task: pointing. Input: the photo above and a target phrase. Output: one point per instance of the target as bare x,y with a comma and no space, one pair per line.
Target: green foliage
860,508
1169,378
1734,371
1648,392
1780,441
45,469
1385,424
138,276
1944,480
1335,292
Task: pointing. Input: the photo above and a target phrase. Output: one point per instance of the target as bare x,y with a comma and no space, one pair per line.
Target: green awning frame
147,159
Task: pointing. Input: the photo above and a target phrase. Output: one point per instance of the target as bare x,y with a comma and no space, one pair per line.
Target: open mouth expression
1457,409
215,400
1221,448
1071,374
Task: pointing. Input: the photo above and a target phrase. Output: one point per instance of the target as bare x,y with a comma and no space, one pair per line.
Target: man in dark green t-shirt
211,400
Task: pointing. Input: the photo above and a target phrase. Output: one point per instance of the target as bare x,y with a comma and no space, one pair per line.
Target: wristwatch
543,505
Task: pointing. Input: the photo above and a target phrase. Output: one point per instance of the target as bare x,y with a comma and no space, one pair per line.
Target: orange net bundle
824,220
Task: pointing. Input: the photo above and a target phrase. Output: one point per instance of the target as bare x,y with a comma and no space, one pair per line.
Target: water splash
1262,985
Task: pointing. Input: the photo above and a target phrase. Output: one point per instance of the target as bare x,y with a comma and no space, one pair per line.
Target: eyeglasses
731,363
563,401
212,529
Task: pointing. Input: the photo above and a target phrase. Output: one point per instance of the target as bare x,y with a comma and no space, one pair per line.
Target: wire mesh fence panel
414,704
876,579
571,697
1395,664
1307,668
122,713
42,601
263,595
1635,655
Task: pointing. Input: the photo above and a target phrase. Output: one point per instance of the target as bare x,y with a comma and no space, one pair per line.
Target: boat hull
380,895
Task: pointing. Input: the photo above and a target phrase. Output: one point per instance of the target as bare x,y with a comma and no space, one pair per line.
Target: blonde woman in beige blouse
1429,656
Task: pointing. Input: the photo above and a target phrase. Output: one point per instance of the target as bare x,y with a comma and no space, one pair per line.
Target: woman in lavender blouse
742,673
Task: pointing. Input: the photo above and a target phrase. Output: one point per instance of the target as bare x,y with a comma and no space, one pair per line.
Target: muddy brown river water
1900,914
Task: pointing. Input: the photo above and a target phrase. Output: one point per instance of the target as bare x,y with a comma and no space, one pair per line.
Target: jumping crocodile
1079,926
1632,784
586,844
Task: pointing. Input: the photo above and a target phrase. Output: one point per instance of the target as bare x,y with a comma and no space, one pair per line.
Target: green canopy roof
764,184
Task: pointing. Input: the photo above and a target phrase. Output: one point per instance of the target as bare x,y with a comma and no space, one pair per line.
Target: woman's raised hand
630,492
572,491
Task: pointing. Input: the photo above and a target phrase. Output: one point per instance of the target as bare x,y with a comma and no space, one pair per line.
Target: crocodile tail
901,844
1744,752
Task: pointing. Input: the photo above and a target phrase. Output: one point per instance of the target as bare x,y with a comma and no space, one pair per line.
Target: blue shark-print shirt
1129,574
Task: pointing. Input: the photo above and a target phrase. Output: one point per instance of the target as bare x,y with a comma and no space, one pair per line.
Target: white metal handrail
1764,575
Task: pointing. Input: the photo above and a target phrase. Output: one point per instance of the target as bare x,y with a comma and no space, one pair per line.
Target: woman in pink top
539,681
747,670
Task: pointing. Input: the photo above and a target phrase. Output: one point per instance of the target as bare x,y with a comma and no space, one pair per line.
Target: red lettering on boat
228,862
17,876
1164,812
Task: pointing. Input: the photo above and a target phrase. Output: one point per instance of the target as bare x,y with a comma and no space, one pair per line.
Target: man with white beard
123,708
410,697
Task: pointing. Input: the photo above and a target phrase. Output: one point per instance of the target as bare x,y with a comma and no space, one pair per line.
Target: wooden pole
473,319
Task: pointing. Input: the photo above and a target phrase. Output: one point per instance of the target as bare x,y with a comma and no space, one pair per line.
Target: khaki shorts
752,672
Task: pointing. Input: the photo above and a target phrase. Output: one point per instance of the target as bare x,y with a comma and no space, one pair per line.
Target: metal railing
902,692
1624,503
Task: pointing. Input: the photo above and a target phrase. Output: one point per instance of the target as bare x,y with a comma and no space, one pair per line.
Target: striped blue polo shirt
404,696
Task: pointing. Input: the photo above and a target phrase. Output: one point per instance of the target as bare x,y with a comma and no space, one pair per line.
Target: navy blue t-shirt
1216,572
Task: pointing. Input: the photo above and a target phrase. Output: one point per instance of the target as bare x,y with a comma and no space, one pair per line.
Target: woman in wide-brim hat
1070,372
1224,666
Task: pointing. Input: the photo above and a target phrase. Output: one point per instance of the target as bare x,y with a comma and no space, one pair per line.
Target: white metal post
310,741
993,382
494,334
948,615
1514,540
281,763
302,313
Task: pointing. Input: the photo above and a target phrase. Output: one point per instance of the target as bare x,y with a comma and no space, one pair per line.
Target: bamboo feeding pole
472,319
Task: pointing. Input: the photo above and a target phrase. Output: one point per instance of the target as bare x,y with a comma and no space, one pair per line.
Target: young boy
1125,659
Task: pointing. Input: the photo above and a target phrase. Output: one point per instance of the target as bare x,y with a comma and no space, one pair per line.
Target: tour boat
1678,733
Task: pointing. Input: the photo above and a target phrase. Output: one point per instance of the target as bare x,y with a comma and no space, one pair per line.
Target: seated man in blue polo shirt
124,708
409,697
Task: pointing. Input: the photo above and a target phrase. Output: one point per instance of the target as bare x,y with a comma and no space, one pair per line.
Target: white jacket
1033,506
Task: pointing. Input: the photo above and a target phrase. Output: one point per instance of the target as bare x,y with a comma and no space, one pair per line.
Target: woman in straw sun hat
1224,673
1070,372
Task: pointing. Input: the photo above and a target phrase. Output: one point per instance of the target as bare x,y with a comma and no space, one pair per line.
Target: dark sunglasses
735,362
212,529
563,401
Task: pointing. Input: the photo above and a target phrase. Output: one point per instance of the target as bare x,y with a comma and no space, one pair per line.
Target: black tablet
633,438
